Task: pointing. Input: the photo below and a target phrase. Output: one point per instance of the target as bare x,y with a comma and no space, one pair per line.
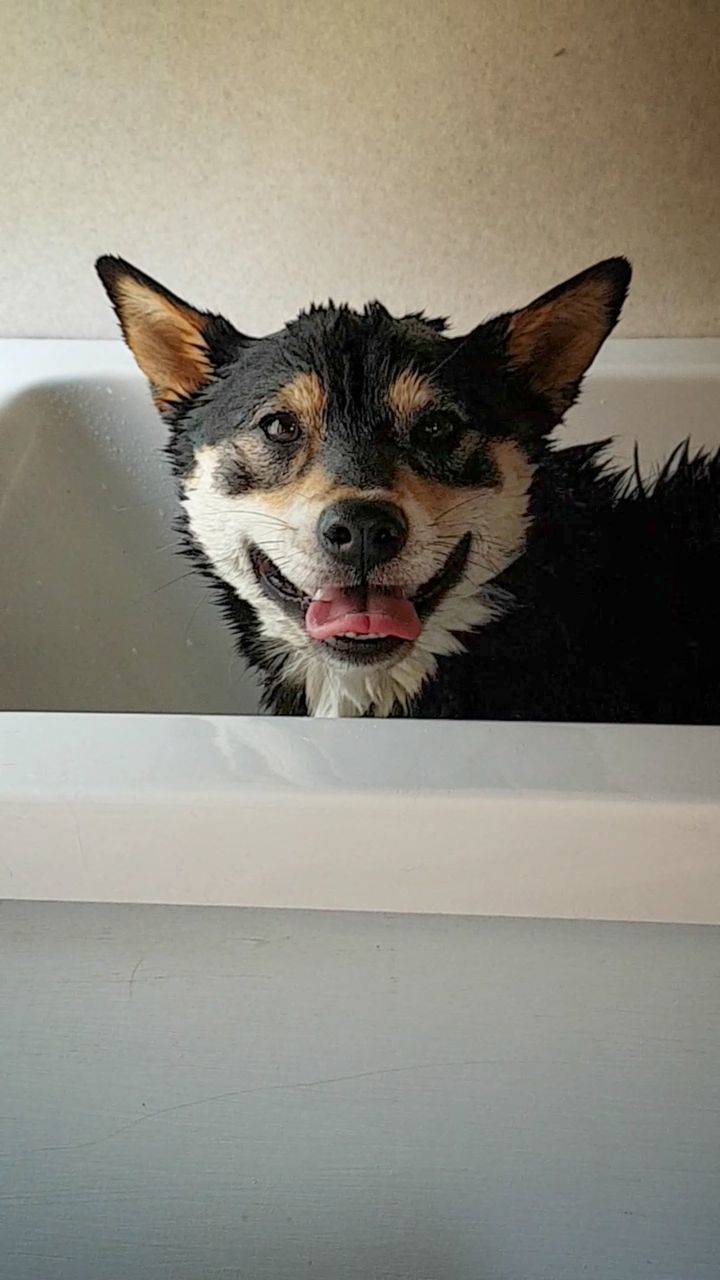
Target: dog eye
280,428
436,429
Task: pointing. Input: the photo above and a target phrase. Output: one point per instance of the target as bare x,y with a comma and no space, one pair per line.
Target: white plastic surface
572,821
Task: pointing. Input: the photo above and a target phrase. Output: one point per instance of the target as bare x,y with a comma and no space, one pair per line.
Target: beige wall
454,154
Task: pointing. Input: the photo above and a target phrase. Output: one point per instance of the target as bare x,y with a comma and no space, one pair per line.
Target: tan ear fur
165,334
556,338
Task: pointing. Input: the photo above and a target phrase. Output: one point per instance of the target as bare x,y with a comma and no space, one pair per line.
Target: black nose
362,534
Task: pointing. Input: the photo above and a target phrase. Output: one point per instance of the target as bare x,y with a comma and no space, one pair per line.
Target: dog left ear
554,340
178,348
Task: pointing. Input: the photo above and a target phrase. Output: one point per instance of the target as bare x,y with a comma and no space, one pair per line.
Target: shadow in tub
99,612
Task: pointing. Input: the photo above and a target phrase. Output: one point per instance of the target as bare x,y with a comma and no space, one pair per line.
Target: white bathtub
389,1084
99,615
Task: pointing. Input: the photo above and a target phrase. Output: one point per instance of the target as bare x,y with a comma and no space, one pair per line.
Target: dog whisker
191,573
240,514
203,600
459,345
472,498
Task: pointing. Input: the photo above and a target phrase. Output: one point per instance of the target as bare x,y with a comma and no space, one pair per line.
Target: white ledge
568,821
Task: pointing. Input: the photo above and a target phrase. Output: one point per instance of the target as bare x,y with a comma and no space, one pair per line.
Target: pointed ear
178,348
555,340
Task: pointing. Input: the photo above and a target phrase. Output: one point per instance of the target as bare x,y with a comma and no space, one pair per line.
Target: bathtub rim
615,822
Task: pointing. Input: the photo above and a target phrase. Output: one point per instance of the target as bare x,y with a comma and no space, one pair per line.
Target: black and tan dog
391,533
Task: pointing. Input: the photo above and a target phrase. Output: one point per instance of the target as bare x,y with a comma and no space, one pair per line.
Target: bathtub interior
100,613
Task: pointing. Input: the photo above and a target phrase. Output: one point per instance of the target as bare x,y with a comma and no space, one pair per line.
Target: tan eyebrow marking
410,393
305,397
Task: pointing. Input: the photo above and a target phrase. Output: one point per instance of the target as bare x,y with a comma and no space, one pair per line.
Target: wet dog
390,531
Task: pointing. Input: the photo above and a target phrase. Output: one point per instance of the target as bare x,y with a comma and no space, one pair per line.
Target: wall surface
456,154
213,1094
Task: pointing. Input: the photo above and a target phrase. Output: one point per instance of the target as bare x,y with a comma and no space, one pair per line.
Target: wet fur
613,610
586,596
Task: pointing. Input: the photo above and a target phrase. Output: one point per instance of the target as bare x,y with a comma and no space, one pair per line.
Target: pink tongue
384,613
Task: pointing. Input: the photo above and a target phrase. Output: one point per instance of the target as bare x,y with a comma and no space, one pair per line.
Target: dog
391,532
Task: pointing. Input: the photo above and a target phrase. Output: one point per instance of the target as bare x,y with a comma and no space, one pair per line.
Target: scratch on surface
78,837
269,1088
133,975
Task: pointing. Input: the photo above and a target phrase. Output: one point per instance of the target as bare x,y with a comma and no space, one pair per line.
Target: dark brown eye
280,428
436,429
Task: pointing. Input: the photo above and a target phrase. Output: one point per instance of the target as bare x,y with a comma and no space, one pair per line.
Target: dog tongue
377,613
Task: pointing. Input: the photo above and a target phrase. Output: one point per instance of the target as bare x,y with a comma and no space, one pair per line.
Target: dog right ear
178,348
553,341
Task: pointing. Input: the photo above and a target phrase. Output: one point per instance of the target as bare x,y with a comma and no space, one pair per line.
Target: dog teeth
358,635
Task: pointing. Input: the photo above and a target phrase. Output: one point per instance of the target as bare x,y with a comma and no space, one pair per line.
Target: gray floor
197,1094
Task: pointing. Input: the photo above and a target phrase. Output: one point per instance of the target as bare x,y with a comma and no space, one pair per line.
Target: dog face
361,480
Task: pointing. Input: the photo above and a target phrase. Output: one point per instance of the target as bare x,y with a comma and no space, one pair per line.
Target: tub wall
453,155
195,1094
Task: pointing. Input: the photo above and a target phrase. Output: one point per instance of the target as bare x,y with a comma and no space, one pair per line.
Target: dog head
360,480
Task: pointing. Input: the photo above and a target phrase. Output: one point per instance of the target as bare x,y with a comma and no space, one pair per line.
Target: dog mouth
362,623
